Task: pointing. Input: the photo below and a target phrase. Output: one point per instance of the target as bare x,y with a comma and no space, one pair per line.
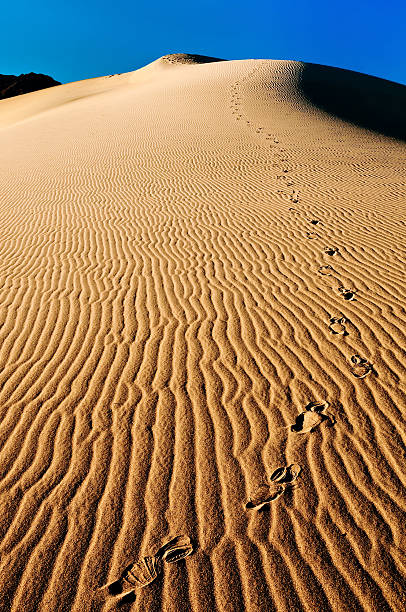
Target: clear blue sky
80,39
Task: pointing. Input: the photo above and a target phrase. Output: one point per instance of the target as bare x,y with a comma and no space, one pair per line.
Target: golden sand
170,337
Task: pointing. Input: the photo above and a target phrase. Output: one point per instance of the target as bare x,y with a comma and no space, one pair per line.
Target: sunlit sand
202,341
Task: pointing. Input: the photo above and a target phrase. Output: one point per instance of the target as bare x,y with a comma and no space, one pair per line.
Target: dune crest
202,332
189,58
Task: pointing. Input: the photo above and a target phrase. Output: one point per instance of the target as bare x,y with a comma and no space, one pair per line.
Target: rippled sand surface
202,280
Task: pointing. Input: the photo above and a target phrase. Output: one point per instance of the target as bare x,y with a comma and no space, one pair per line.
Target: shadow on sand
366,101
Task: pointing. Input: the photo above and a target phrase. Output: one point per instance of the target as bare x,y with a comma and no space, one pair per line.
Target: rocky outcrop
11,85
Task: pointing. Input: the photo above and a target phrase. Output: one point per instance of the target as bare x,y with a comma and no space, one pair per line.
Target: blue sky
80,39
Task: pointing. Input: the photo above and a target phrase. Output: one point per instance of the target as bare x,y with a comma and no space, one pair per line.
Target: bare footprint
314,414
337,325
361,367
286,474
347,294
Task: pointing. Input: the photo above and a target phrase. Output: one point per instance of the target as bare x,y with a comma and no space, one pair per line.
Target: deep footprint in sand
281,480
264,495
330,250
286,474
361,367
314,414
176,549
326,270
145,571
347,294
138,574
125,600
337,326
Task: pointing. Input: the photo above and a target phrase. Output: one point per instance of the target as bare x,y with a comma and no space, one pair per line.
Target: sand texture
202,280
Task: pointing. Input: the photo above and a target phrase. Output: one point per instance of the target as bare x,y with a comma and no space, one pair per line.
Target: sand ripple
163,322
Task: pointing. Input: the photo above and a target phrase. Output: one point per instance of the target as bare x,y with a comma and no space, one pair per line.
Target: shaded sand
163,323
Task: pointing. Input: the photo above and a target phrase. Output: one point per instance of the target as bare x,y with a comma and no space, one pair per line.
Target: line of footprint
315,413
282,478
360,367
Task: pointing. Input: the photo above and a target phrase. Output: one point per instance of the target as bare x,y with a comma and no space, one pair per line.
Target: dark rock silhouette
11,85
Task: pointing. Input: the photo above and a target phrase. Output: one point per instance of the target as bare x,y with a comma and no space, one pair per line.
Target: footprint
311,418
315,221
286,474
312,235
143,572
361,367
330,250
326,270
347,294
135,575
176,549
331,280
264,495
337,325
126,599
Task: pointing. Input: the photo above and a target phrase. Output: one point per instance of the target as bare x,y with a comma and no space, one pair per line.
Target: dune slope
192,256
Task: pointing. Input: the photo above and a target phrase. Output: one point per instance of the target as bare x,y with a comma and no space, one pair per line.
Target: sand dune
170,336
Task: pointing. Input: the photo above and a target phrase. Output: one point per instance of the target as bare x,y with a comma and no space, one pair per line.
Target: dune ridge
163,322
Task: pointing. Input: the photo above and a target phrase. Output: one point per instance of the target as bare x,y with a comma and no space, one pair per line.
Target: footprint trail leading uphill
170,353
